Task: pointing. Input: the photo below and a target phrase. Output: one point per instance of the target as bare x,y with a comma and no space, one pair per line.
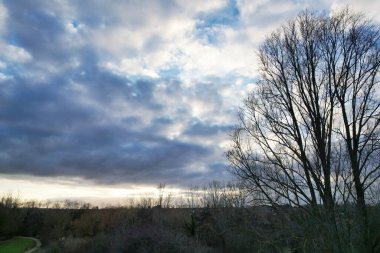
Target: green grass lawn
16,245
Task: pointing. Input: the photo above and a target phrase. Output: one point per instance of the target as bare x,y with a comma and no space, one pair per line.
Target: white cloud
195,6
162,41
200,60
4,77
148,46
131,67
14,53
369,8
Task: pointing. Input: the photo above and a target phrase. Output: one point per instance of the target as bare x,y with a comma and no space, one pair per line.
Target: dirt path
38,244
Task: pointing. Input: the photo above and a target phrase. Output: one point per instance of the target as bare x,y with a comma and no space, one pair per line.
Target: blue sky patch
209,24
172,71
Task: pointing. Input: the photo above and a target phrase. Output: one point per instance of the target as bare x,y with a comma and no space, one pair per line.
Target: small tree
309,133
161,189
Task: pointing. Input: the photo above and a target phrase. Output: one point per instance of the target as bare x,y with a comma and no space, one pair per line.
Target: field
16,245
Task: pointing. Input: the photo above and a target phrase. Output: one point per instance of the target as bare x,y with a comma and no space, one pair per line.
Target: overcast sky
105,93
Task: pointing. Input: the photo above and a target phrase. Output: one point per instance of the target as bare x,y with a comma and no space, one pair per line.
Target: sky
102,99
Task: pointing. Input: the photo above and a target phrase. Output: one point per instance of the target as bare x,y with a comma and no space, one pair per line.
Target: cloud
14,54
90,122
367,7
129,91
3,18
202,129
49,131
35,29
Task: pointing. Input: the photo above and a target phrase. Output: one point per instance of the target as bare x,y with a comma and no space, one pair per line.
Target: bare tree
309,132
161,189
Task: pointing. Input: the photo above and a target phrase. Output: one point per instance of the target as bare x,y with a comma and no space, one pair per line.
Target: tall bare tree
309,133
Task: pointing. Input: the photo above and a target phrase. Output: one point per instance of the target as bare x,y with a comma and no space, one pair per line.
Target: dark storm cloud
106,86
110,155
38,104
58,118
45,132
33,27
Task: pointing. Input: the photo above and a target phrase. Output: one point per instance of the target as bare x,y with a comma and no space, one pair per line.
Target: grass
16,245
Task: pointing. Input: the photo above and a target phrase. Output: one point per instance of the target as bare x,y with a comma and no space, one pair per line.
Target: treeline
141,228
215,218
214,194
200,219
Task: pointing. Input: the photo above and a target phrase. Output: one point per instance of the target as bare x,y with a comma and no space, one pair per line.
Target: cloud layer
129,91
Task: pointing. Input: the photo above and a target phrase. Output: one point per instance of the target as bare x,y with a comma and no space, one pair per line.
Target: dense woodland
217,218
214,222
